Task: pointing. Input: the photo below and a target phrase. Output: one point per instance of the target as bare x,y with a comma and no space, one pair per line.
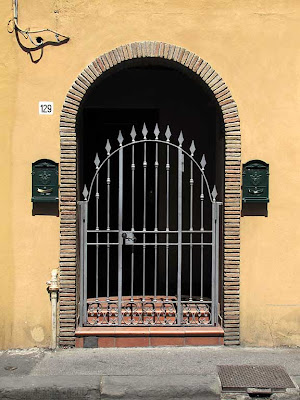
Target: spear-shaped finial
180,139
120,138
133,133
108,147
85,192
214,193
144,131
203,161
192,148
156,132
168,133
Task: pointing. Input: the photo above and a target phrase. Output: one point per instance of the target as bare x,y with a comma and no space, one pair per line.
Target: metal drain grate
241,377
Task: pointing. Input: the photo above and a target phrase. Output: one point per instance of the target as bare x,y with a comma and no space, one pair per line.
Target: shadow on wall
255,209
40,48
45,209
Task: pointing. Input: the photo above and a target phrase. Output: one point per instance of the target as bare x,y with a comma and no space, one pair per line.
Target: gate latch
129,237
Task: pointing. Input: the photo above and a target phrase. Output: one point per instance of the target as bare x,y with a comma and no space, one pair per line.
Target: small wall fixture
44,181
255,182
32,40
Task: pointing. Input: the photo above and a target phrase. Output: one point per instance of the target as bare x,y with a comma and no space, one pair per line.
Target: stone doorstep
148,336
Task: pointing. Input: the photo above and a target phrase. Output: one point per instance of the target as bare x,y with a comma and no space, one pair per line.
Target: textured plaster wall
253,45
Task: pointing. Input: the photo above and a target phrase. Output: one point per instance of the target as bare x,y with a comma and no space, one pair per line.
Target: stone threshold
148,336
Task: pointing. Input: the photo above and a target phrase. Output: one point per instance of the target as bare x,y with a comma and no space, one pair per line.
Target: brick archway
68,179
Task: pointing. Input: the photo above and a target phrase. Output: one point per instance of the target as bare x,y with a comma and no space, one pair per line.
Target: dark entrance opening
133,93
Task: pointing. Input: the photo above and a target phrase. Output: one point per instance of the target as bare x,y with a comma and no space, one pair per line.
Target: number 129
46,108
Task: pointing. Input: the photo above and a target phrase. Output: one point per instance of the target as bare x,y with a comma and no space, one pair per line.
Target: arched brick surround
231,232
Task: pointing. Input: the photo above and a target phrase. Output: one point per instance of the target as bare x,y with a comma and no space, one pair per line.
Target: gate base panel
90,337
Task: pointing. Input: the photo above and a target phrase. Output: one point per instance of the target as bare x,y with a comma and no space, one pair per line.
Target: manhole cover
241,377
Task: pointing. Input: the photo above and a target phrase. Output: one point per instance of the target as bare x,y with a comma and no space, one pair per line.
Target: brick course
68,230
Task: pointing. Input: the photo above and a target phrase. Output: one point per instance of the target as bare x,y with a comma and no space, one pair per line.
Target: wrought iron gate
170,245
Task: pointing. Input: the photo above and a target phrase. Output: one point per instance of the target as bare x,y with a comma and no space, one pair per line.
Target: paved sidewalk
132,373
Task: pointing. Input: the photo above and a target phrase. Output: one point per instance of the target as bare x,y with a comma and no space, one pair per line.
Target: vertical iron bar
144,220
155,220
108,229
120,242
84,248
167,219
81,262
217,260
191,229
97,235
180,160
213,264
201,235
132,218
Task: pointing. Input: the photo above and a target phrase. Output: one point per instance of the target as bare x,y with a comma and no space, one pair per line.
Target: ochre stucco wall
254,47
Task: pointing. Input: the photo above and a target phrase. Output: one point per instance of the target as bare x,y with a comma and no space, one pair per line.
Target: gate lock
129,237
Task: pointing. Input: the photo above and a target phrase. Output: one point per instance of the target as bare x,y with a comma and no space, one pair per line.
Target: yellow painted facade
253,45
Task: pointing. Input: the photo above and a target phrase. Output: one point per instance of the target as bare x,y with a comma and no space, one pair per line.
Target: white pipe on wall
53,290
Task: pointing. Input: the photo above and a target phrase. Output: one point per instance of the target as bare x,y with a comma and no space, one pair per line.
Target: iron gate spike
85,192
156,131
214,193
97,161
192,148
108,147
180,139
144,131
133,133
203,161
168,133
120,138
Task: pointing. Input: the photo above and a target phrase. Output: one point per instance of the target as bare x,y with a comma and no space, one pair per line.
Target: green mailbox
44,181
256,182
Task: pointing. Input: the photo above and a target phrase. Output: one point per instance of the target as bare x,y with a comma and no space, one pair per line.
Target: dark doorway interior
133,94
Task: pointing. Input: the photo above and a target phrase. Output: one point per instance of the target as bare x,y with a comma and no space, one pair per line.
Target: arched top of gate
201,166
150,50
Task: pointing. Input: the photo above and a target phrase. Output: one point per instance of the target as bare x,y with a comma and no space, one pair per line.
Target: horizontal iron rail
96,301
150,244
162,232
150,325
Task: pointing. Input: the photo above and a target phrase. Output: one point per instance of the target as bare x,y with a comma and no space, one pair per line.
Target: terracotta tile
167,341
106,341
79,342
202,341
132,331
132,341
167,331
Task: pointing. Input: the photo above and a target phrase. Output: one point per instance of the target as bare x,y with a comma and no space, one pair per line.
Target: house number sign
46,107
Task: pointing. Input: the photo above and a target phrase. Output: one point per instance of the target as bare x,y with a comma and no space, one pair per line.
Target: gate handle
129,238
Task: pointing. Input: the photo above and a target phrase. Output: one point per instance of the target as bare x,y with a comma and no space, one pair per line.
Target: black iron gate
149,249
